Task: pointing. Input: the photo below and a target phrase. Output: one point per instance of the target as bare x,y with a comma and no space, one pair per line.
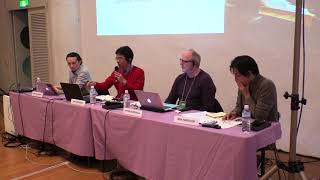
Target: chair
216,107
262,160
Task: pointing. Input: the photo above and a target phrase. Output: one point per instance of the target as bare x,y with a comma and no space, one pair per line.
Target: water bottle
126,98
246,119
92,95
38,81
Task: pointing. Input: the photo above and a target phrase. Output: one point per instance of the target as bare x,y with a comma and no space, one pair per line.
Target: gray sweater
262,101
80,77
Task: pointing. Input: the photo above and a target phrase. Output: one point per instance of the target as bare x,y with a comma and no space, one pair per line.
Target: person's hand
91,83
120,78
229,116
244,89
57,89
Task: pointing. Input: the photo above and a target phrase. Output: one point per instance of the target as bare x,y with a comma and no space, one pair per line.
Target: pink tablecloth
54,121
152,146
159,149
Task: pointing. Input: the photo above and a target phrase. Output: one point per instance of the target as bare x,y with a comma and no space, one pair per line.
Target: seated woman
126,77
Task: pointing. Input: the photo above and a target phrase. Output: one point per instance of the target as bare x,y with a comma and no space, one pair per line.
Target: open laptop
47,89
151,101
73,91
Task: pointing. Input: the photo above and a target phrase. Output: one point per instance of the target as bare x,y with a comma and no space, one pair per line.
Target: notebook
73,91
47,89
152,102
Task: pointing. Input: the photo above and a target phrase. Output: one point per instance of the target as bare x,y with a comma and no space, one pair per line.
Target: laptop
73,91
47,89
152,102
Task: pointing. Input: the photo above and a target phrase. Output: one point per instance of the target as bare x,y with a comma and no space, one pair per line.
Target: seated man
254,90
79,73
128,78
194,88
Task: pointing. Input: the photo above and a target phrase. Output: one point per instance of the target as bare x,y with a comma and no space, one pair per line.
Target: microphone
116,68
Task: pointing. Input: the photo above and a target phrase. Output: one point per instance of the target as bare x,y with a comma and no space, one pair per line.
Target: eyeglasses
185,61
119,57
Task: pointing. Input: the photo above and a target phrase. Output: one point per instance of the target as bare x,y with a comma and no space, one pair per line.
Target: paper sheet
104,97
206,117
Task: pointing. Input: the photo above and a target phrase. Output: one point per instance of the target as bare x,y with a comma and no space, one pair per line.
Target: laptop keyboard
169,106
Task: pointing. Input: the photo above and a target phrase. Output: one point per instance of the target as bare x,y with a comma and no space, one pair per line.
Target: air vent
39,49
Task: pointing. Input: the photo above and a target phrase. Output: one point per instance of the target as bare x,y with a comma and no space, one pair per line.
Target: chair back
216,106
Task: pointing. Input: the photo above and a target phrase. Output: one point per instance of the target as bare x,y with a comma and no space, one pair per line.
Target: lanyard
184,87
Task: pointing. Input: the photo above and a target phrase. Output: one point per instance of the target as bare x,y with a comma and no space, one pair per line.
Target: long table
157,148
52,120
152,146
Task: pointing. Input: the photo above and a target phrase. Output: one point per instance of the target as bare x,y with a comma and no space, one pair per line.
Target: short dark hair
74,54
244,64
127,52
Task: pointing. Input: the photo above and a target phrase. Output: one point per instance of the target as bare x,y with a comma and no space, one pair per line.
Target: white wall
64,36
272,47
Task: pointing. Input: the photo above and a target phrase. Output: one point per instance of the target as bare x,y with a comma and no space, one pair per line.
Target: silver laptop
152,102
47,89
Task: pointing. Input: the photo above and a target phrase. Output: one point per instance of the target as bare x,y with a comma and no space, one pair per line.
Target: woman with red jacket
126,77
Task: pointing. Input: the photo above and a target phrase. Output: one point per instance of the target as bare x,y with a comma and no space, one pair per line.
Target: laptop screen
47,89
72,91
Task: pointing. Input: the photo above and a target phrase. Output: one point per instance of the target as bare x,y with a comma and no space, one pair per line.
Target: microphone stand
294,166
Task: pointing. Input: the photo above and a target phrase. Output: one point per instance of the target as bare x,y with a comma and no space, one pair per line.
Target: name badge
37,94
132,112
182,104
184,120
78,102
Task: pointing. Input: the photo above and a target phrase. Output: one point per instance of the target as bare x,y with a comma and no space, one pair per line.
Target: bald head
191,55
186,55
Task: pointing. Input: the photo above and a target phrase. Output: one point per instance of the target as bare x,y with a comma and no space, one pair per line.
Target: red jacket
135,81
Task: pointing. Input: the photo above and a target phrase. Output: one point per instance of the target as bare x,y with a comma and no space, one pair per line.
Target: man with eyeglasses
126,77
194,88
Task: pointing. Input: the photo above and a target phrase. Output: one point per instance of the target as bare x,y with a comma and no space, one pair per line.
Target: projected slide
146,17
283,9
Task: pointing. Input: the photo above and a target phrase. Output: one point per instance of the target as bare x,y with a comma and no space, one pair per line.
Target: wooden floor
22,163
19,162
312,166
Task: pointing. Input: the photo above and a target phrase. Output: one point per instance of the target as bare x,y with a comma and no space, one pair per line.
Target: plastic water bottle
38,81
246,119
92,95
126,98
